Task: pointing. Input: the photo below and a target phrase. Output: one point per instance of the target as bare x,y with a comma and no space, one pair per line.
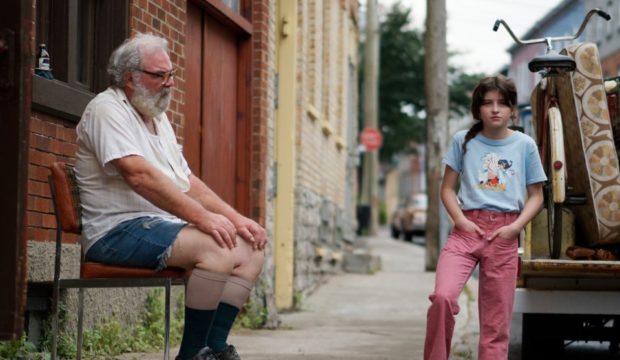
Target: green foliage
401,85
109,338
463,354
253,316
178,321
298,300
383,216
461,88
67,347
20,349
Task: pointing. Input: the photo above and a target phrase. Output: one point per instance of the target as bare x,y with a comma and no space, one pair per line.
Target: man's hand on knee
220,228
251,231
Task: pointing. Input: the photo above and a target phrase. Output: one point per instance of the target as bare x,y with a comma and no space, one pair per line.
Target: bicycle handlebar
548,40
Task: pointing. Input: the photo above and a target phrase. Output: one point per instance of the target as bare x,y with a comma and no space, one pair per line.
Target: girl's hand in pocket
469,226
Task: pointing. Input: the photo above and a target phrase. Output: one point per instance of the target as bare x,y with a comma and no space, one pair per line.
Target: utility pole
437,105
369,199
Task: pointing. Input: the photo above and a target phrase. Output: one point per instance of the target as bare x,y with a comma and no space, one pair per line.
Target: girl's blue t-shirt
495,173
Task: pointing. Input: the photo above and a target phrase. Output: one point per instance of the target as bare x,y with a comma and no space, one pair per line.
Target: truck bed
570,268
568,287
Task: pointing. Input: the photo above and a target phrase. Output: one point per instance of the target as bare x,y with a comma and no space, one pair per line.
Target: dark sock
224,320
195,332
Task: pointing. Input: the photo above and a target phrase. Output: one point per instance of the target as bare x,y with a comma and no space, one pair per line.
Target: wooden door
211,130
15,102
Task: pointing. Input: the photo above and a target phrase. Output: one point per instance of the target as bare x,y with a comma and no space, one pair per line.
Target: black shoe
229,353
204,354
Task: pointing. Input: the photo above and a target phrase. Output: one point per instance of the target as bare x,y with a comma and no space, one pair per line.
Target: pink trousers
498,261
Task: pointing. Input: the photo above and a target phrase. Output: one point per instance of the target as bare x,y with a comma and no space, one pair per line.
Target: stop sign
371,138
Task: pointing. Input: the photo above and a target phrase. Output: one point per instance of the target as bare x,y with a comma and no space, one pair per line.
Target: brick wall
324,216
263,96
324,43
262,173
51,140
166,18
54,139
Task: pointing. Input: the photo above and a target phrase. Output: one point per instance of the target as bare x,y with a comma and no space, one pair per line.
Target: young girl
488,216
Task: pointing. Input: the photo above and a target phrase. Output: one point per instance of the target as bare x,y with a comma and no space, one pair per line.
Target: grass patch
469,294
463,355
111,338
108,338
253,316
20,349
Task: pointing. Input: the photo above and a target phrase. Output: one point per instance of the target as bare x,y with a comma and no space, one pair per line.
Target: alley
354,316
380,316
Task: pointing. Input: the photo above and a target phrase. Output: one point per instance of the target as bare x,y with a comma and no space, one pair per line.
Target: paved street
353,316
380,317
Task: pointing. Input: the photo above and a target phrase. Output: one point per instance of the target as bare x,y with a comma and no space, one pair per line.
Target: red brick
39,204
48,129
151,8
38,188
36,125
39,234
69,149
48,221
70,239
37,172
40,158
33,218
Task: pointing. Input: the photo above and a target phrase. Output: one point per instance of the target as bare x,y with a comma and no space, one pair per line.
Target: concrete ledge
41,256
361,261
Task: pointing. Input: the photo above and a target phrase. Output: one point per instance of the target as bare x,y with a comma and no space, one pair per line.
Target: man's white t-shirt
111,129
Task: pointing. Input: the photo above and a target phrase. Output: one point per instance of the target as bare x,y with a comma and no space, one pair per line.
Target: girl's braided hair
500,83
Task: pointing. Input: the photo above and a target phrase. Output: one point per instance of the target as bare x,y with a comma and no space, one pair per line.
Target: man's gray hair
128,56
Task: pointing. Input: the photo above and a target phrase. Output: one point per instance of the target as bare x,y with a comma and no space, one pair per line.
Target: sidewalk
353,316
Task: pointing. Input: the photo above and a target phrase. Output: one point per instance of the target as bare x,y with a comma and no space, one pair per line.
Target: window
233,4
79,35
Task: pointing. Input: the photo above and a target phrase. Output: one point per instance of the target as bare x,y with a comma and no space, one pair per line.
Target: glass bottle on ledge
43,67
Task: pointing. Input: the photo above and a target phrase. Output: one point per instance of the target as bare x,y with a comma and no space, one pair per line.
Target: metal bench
66,200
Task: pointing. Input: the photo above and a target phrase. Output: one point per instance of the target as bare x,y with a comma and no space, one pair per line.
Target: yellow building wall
328,44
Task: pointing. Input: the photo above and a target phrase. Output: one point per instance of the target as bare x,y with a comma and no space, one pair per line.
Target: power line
488,22
520,3
497,13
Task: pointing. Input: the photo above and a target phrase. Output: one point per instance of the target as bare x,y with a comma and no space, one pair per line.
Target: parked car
410,218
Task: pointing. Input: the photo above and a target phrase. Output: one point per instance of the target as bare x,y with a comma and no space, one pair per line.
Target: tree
401,85
461,87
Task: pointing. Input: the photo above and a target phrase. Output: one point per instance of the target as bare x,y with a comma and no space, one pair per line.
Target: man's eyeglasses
163,75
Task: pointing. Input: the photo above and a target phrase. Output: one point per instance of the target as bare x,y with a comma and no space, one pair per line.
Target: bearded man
143,207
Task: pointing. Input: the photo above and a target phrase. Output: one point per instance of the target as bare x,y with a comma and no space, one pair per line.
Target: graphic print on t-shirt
495,172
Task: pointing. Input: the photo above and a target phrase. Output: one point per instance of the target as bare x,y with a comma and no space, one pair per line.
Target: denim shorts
141,242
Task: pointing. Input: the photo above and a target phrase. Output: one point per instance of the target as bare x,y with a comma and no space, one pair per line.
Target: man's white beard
148,103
